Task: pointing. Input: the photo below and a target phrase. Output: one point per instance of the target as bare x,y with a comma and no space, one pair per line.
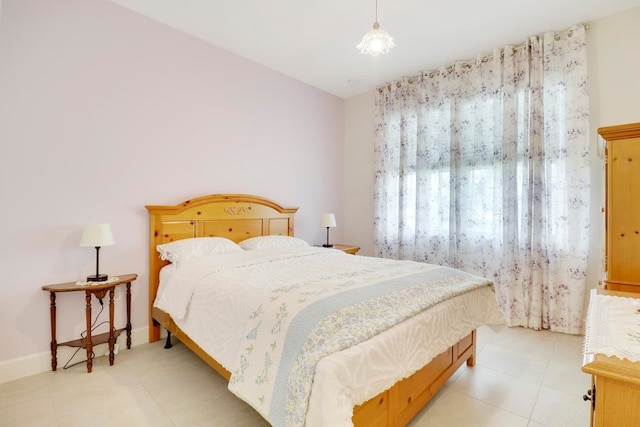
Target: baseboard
41,362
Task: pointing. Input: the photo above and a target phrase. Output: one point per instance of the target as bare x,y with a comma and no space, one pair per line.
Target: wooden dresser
622,207
615,390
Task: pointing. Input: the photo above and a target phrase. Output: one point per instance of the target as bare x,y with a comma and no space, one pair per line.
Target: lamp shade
376,42
97,235
328,220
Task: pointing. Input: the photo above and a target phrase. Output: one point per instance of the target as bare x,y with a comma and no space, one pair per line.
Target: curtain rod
468,62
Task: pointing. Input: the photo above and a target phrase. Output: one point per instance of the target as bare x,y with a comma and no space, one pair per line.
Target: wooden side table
347,248
350,249
99,289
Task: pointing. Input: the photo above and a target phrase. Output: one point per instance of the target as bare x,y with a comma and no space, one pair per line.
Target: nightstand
347,248
99,289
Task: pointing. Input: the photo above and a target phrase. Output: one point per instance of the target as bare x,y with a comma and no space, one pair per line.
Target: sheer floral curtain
484,166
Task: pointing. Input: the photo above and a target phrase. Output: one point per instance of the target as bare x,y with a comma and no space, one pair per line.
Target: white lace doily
88,283
613,327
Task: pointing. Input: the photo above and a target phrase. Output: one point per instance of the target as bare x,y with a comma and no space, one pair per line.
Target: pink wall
103,111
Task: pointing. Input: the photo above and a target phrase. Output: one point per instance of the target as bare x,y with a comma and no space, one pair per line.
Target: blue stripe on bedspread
343,320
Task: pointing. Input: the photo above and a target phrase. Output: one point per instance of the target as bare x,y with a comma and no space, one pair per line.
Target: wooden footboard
394,407
398,405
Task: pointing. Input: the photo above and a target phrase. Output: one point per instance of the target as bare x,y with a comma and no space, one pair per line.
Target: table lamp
97,235
328,220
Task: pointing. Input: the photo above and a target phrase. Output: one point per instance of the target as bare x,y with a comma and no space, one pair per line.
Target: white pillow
270,242
184,250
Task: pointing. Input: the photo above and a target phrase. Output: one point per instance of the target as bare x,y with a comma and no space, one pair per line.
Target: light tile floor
522,378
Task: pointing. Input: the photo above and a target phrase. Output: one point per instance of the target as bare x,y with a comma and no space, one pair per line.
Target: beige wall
614,73
358,174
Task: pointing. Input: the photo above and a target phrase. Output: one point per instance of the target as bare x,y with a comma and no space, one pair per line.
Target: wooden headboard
234,216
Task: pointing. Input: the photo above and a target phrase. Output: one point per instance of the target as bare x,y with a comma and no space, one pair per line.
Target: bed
382,380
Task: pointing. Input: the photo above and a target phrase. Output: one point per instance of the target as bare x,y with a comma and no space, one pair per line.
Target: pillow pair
182,251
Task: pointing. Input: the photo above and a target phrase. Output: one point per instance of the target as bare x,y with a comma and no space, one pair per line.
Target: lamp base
326,245
97,278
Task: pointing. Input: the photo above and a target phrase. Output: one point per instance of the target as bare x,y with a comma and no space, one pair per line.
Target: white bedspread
217,300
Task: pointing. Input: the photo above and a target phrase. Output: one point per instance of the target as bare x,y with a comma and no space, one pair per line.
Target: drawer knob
591,395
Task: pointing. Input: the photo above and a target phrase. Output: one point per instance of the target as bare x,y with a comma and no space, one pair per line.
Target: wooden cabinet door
622,212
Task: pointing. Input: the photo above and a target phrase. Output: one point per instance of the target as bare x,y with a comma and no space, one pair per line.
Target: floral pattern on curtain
484,166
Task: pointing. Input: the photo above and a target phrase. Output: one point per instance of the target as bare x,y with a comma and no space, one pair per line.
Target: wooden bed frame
239,217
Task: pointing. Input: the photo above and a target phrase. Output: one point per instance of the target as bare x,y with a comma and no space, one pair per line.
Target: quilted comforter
276,314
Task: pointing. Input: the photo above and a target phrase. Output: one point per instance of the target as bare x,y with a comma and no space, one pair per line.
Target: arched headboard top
220,200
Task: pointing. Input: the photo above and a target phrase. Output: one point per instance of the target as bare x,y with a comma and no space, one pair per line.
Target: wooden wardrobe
622,207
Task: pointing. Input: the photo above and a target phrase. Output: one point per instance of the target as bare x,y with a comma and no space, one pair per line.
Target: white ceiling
314,41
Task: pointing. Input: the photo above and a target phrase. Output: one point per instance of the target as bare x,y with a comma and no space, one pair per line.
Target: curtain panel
484,166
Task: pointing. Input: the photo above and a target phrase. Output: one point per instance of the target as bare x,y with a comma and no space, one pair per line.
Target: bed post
154,271
471,361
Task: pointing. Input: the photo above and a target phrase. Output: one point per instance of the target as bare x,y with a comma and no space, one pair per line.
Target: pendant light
376,41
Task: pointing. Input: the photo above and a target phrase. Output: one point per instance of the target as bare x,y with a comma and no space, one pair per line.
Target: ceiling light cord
376,14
